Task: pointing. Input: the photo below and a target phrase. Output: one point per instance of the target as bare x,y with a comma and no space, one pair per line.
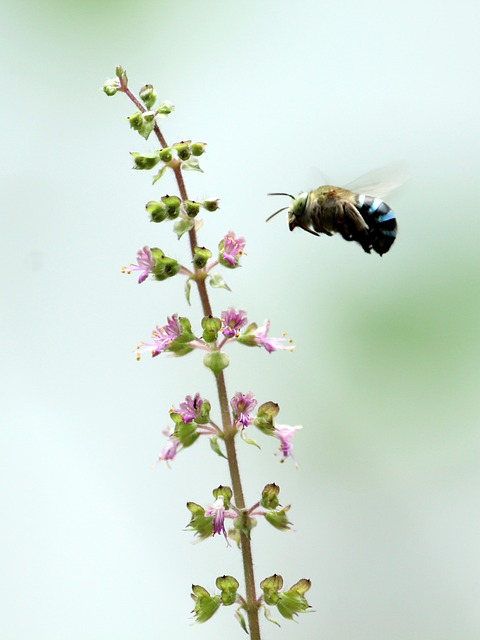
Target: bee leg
314,233
355,228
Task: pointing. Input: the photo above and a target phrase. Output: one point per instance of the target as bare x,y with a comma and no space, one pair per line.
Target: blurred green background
385,375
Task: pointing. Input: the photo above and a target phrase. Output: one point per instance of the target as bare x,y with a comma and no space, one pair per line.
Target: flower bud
136,121
210,205
198,148
119,71
205,604
111,87
172,206
228,586
186,433
265,416
191,207
148,95
216,361
293,601
146,161
201,255
270,496
271,587
165,268
211,326
245,523
201,524
166,155
165,109
183,150
156,210
278,519
226,493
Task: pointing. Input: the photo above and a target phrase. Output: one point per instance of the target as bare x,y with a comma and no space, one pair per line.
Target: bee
366,219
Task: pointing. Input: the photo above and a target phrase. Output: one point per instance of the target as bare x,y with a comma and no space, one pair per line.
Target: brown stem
228,429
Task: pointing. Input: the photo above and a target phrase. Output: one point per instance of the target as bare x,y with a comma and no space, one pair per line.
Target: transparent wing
381,182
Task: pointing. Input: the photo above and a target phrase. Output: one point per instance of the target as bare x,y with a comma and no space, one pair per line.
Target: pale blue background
385,376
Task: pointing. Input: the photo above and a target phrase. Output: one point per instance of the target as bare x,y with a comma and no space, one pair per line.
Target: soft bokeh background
385,376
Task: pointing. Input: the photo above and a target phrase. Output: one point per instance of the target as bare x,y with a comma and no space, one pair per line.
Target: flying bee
358,217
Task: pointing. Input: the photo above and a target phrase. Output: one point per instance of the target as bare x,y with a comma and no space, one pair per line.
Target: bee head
296,210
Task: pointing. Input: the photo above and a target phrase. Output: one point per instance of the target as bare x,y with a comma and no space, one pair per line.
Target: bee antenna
283,208
281,194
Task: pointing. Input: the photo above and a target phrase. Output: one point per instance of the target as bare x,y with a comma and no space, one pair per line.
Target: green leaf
160,174
217,282
241,620
216,447
268,616
192,164
181,226
188,290
243,435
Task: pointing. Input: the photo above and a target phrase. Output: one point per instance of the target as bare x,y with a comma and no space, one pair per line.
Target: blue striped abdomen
380,220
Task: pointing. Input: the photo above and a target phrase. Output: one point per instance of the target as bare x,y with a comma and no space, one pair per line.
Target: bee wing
381,182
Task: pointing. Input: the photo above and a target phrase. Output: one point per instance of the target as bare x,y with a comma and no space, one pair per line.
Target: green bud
119,71
111,87
148,95
204,416
271,587
165,109
165,268
136,121
211,326
226,493
205,604
201,256
172,206
186,433
265,416
245,523
146,161
191,207
293,601
216,361
156,210
183,150
198,148
201,525
248,336
166,155
278,519
210,205
228,586
186,335
270,496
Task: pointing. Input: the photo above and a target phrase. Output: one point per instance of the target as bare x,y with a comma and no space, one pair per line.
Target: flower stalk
192,419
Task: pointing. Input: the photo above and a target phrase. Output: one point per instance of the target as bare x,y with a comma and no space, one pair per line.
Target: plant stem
228,429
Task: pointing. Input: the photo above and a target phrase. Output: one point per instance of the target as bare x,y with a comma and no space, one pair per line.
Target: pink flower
162,337
285,434
219,513
233,321
232,248
145,264
191,408
172,447
242,404
271,344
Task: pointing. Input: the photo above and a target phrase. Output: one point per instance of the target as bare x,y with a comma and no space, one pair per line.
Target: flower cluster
192,419
177,337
